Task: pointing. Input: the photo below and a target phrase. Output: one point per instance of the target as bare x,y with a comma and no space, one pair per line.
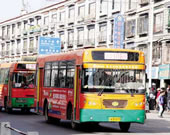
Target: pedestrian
161,102
157,100
168,97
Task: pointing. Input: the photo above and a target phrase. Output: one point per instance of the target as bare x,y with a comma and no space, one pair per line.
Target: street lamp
151,43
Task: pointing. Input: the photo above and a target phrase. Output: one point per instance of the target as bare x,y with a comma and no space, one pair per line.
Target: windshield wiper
104,83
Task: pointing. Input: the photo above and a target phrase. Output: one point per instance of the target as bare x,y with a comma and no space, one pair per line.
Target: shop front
164,75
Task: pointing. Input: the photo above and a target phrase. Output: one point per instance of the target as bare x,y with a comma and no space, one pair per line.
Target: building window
19,28
80,36
132,4
39,21
54,18
113,4
92,9
103,32
71,13
62,37
18,46
8,31
25,25
13,28
156,52
130,28
168,52
3,32
168,17
158,22
91,35
46,20
103,6
25,44
31,45
62,16
112,27
81,11
70,38
143,24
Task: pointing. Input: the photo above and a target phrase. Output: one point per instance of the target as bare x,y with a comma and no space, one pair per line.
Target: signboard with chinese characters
164,71
49,45
118,35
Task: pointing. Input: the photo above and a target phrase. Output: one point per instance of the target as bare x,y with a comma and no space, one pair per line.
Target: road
32,122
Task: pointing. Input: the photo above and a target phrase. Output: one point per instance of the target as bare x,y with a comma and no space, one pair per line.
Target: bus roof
79,55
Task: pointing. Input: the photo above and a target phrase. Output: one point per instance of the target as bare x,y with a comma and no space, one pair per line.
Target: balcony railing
31,49
18,51
102,38
24,50
70,44
90,42
12,52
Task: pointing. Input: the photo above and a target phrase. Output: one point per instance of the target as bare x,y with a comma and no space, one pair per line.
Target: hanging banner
118,35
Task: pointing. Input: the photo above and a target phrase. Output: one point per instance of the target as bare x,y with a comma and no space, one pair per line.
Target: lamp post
151,43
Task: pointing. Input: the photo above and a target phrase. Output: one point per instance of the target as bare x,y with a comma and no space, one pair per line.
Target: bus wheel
124,126
47,118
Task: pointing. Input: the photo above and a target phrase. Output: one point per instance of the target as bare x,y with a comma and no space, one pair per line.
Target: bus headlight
91,103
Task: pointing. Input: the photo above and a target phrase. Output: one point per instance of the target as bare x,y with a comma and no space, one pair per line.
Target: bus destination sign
115,56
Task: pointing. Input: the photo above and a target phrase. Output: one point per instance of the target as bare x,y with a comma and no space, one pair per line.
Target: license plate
21,101
114,118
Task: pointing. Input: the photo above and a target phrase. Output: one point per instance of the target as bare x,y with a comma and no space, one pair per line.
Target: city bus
17,85
91,86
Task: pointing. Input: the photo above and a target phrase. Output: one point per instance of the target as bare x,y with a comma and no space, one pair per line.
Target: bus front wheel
124,126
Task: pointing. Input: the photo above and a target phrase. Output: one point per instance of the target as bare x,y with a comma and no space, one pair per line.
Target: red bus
17,85
92,85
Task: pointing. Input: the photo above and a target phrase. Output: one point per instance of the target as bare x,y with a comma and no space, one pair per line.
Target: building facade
139,35
78,23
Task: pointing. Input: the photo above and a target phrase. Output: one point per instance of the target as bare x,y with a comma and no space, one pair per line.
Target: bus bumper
95,115
22,102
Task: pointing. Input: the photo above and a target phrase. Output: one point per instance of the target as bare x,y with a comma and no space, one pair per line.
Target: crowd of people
158,99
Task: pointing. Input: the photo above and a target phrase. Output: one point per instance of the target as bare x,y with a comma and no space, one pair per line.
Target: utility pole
151,43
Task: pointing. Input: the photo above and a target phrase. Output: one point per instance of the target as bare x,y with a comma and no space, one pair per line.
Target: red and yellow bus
17,85
92,85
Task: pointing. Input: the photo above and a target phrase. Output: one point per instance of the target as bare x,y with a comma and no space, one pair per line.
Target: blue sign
49,45
118,36
164,71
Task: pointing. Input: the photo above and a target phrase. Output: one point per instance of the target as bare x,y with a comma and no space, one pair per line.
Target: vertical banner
118,35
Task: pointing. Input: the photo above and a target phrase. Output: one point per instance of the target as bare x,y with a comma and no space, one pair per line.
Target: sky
12,8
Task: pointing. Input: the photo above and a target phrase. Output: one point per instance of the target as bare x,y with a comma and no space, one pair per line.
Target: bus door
10,85
77,87
38,89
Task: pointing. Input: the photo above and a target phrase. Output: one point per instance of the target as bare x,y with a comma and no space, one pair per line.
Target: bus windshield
113,80
23,80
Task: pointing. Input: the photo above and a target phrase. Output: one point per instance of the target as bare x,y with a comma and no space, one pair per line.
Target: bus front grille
114,103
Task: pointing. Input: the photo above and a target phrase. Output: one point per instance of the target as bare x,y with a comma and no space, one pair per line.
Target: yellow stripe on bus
114,66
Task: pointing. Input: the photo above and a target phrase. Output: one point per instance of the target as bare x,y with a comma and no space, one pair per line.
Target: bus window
47,74
118,81
23,80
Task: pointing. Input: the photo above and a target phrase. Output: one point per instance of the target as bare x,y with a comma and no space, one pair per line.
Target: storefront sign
164,71
154,74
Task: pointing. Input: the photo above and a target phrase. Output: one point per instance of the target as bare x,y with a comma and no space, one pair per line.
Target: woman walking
161,102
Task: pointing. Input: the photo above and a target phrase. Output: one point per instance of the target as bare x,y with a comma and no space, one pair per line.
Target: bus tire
124,126
47,118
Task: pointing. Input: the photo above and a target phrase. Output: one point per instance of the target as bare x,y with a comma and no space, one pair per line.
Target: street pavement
32,122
